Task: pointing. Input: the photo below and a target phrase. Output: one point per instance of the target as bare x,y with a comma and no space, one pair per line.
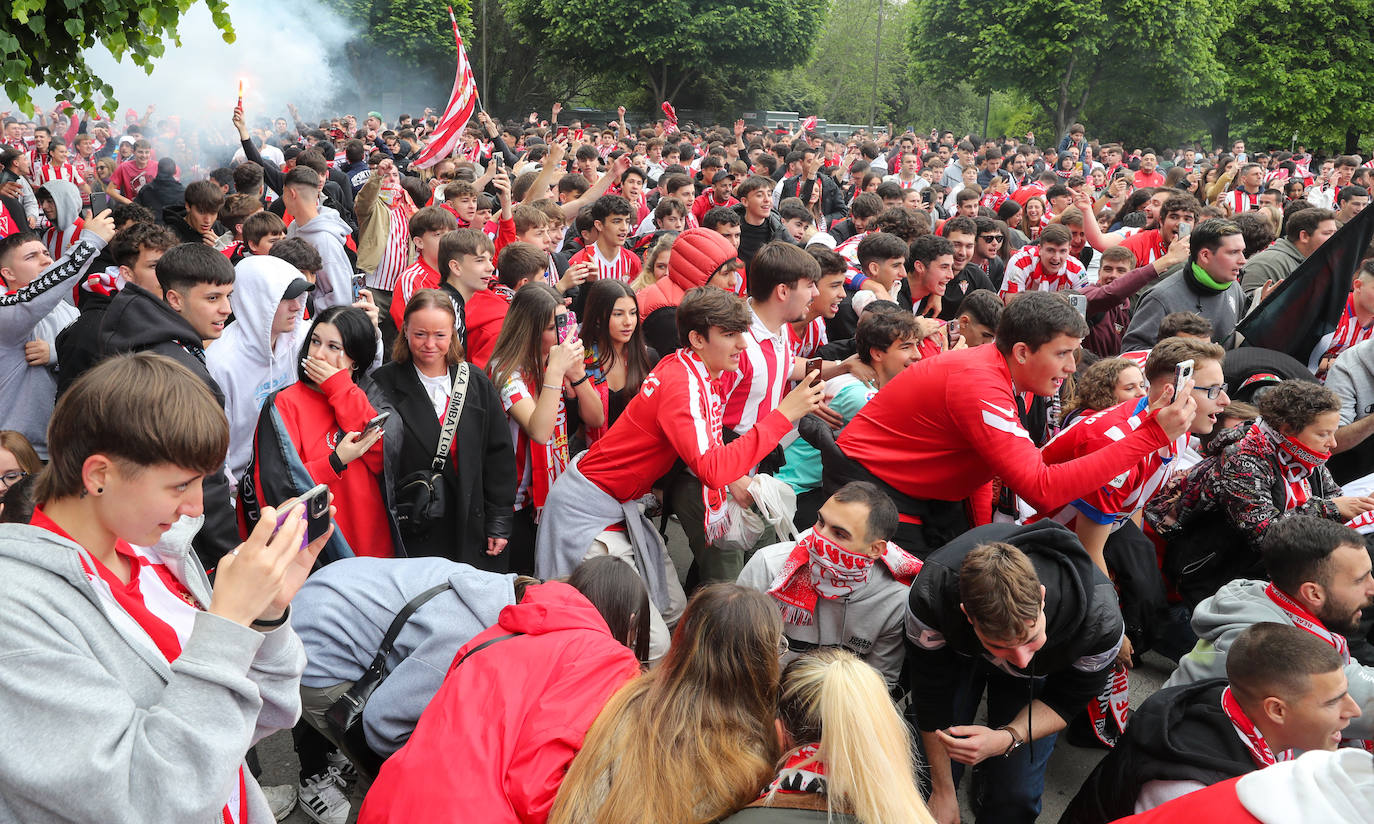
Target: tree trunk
1352,141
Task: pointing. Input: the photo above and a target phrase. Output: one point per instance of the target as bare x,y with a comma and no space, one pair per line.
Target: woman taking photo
164,682
694,739
536,373
315,432
477,485
849,752
617,359
519,710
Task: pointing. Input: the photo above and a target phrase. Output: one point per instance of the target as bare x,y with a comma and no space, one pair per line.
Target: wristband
336,463
1016,740
278,622
580,380
551,386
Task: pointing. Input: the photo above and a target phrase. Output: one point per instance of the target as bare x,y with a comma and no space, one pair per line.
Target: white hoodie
244,362
1318,786
328,233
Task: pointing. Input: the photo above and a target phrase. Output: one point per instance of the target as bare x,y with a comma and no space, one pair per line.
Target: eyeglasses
9,479
1213,392
990,238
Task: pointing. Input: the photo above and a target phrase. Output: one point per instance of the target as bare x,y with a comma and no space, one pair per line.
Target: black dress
480,472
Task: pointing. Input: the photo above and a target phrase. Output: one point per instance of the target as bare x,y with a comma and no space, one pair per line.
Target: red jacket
946,426
664,422
1217,804
494,744
483,316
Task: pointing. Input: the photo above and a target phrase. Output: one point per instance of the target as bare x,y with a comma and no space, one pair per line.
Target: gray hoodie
1275,263
868,622
328,232
1219,620
345,609
98,726
27,392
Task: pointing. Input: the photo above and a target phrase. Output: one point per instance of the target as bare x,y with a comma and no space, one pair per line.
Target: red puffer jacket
496,741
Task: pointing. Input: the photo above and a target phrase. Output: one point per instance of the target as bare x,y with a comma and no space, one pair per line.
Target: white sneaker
281,798
323,799
348,774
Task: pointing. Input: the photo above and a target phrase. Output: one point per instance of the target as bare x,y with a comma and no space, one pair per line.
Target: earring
100,490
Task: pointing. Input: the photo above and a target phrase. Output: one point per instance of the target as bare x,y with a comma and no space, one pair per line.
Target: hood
1286,247
551,607
1238,603
137,319
1185,727
697,253
485,308
327,222
49,551
1065,570
68,199
259,283
1316,786
478,595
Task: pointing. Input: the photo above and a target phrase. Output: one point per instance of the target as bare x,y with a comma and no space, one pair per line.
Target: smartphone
316,514
562,131
1182,372
497,159
359,283
814,365
578,134
1079,302
566,326
376,423
99,202
1185,229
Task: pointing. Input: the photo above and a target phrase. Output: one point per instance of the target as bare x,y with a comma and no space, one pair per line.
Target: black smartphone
99,202
316,514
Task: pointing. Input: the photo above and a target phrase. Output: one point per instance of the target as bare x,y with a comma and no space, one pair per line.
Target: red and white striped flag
809,123
461,104
671,114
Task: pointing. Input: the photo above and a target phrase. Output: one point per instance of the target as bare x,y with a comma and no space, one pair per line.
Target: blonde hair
646,275
832,698
706,711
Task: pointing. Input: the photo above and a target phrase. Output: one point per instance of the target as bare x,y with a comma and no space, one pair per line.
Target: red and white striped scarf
1296,462
1249,734
1308,622
818,567
1348,331
548,460
708,409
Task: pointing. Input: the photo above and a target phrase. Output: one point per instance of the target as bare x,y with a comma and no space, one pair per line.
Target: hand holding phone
376,423
566,326
814,365
1182,373
316,513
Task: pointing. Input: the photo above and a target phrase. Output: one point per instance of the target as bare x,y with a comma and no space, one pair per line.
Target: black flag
1300,315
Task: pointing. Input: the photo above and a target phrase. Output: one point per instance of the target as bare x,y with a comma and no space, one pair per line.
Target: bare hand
260,577
1177,418
1178,252
830,416
557,107
620,110
1350,506
354,445
739,490
562,359
319,370
495,546
102,225
1268,289
368,305
804,399
1123,657
237,120
973,744
37,352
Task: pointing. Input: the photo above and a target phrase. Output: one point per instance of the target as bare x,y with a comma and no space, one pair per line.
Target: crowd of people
942,422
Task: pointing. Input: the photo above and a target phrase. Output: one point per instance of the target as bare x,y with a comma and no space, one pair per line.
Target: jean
1005,790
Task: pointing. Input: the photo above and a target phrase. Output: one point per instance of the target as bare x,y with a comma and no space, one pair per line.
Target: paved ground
1068,766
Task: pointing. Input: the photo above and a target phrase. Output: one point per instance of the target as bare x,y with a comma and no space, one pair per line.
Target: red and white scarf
802,772
1308,622
1296,463
710,409
818,567
1114,702
549,460
1249,734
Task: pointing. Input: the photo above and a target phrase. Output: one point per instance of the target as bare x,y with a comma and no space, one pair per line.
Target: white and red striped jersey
849,250
1025,274
42,173
812,338
1137,356
757,388
1348,333
1239,200
625,268
57,241
1115,501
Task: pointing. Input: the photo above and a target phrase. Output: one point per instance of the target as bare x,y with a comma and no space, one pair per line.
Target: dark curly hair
1291,406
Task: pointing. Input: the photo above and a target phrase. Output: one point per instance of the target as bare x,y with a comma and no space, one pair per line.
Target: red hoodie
483,316
494,744
946,426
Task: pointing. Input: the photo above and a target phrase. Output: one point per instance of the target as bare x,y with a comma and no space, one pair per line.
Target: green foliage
414,32
41,42
839,81
1058,53
1302,66
664,45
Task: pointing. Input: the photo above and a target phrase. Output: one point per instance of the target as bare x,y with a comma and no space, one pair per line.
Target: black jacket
78,346
174,218
1083,624
136,320
481,472
753,238
832,199
160,193
1177,734
971,277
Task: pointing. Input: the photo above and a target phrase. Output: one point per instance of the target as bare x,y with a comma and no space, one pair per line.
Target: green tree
42,43
1303,66
663,46
1059,54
